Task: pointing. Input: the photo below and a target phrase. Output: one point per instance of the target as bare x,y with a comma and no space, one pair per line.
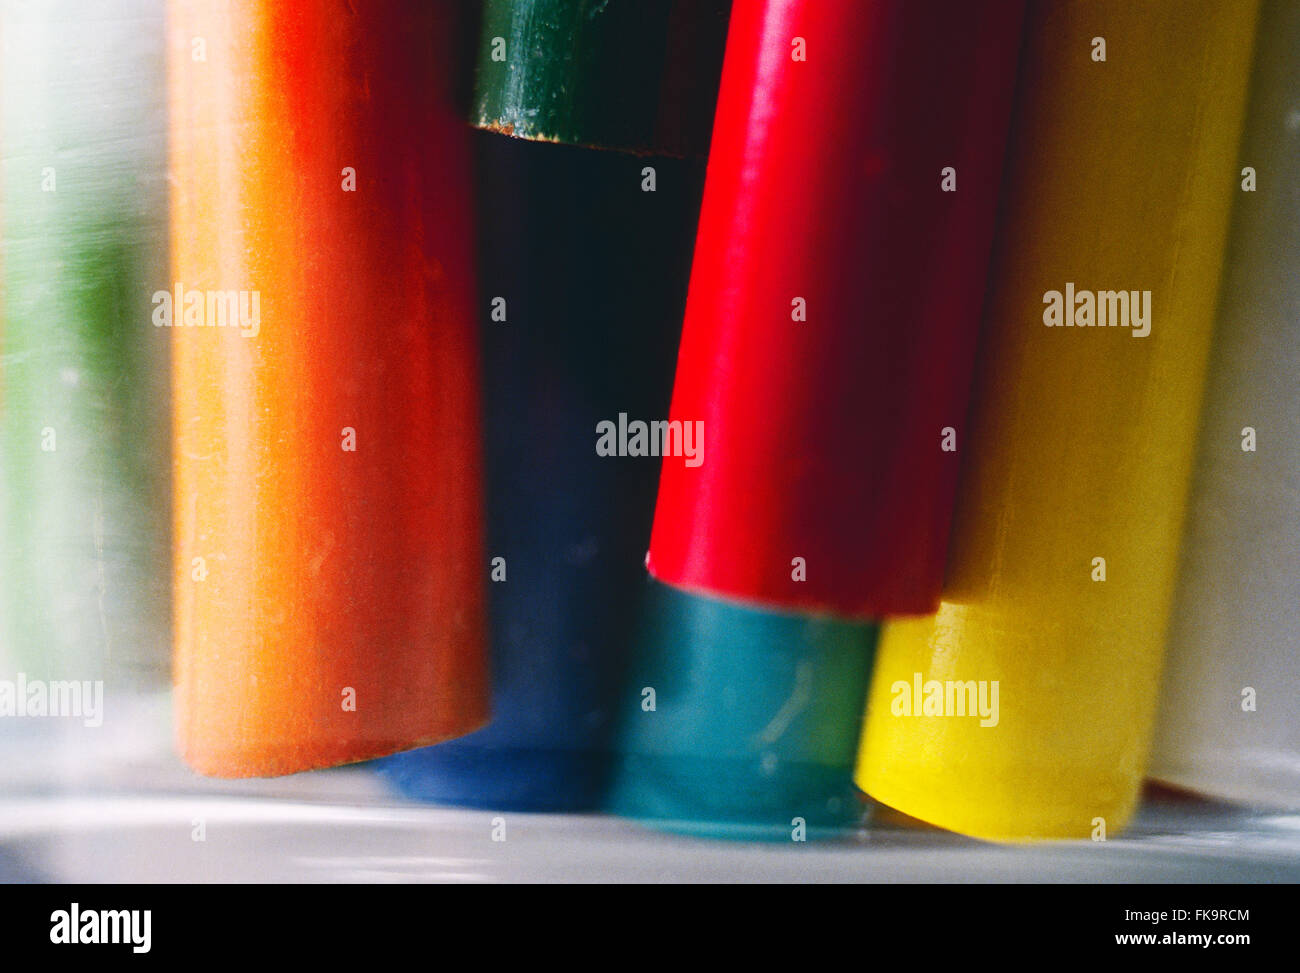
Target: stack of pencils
732,416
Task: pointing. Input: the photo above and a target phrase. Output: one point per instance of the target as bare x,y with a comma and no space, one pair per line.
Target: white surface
114,804
344,826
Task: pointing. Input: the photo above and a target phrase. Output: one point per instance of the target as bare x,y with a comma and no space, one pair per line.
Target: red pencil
834,302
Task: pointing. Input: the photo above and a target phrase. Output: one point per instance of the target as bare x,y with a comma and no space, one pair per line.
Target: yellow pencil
1123,167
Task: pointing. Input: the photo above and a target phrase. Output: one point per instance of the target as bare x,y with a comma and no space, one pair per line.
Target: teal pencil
741,723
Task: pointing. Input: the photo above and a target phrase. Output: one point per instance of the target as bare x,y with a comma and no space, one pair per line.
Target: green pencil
636,75
83,419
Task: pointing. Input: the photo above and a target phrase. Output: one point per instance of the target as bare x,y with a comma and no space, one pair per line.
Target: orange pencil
328,552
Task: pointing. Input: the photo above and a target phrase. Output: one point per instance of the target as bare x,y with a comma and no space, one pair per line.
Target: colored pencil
329,562
84,525
636,75
593,274
1075,478
1230,719
738,723
834,302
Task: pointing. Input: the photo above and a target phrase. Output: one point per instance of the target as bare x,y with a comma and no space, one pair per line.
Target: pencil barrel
329,563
